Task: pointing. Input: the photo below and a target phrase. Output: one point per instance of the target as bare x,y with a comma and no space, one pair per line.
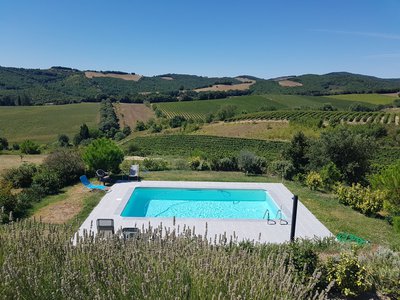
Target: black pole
294,216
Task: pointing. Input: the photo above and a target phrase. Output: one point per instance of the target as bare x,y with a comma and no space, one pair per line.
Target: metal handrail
280,218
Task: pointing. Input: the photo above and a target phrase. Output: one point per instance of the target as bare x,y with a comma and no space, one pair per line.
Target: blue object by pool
90,185
200,203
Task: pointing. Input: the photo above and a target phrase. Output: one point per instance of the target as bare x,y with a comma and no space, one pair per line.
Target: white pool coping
307,227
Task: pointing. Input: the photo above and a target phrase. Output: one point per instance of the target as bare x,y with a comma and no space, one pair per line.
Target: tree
29,147
68,164
3,143
140,126
103,154
127,130
297,152
226,112
82,135
330,175
350,152
176,121
63,140
388,180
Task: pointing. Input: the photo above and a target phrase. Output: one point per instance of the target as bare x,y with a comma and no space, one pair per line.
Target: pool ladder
279,216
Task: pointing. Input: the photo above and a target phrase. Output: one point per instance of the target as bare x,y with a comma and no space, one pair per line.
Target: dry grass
167,78
128,114
245,85
13,161
263,130
64,207
289,83
132,77
395,95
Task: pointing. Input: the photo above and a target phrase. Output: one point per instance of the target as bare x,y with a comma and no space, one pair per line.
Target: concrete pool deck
308,226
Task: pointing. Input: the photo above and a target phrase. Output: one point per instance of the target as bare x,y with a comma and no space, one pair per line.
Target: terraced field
254,103
336,116
213,146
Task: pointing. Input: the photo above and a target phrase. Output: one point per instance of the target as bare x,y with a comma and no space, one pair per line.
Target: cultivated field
128,114
289,83
13,161
133,77
44,123
336,116
253,103
262,130
364,98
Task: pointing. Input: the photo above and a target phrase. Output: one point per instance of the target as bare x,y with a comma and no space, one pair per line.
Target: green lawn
335,216
44,123
364,98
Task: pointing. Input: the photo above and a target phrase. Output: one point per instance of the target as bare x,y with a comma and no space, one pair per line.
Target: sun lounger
134,172
103,176
105,226
91,186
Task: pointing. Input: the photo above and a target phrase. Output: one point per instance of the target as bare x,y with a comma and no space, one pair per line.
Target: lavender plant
39,261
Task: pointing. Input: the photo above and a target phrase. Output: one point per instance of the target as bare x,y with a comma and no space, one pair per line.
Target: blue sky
212,38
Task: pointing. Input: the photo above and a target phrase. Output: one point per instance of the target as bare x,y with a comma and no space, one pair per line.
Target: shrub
48,181
140,126
396,224
63,140
155,164
29,147
127,130
103,154
388,181
303,258
224,164
314,181
194,163
198,164
282,168
68,164
15,146
226,112
250,163
155,127
330,175
176,121
119,136
360,198
349,276
133,149
21,177
209,118
385,264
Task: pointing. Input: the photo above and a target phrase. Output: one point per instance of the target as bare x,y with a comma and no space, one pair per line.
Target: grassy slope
364,98
334,216
44,123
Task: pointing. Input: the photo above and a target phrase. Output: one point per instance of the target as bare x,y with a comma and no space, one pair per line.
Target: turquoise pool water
199,203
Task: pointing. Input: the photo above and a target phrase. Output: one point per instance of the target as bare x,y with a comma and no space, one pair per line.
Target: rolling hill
60,85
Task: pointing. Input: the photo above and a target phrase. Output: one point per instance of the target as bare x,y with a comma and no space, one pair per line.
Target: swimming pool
200,203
